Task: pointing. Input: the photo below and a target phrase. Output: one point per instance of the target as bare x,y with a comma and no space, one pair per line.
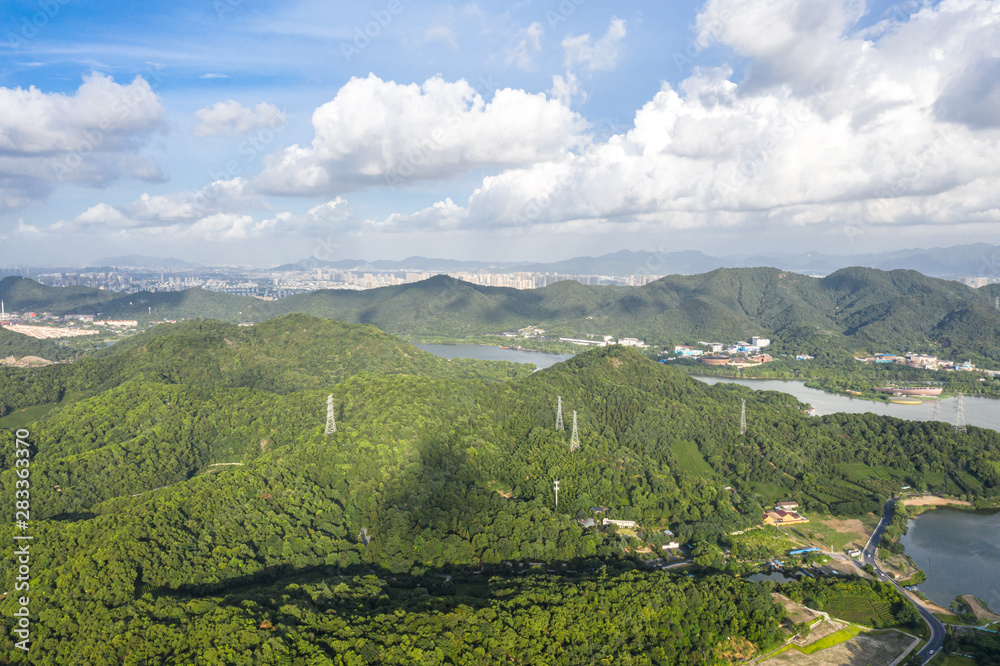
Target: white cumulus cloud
218,211
90,137
377,132
529,43
601,55
893,134
231,117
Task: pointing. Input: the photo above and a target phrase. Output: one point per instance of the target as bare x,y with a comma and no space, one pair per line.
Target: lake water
776,576
960,553
979,411
487,353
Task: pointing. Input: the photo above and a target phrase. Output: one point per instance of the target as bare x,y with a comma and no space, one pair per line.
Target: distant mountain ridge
975,260
852,309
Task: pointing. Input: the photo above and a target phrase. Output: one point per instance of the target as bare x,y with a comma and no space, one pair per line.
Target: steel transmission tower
559,423
574,440
960,413
331,423
557,493
937,411
743,418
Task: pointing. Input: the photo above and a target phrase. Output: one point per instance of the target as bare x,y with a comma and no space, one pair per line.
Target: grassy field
870,648
854,608
23,417
836,638
690,460
770,493
771,538
833,533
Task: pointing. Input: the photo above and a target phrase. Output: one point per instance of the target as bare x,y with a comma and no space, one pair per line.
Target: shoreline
921,504
483,344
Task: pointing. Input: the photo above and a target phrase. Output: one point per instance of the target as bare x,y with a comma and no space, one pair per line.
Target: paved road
933,646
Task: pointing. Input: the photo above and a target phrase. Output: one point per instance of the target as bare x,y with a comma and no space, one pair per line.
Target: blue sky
684,125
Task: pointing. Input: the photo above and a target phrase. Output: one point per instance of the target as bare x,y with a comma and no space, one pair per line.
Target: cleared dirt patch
873,649
797,612
822,630
933,500
978,609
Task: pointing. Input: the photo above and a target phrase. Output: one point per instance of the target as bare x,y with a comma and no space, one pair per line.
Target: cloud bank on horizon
831,120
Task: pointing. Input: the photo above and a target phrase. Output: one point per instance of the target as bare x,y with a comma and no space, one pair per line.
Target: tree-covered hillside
185,493
290,353
25,295
19,345
853,309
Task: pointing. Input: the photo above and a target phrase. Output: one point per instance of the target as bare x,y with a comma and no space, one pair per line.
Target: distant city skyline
265,132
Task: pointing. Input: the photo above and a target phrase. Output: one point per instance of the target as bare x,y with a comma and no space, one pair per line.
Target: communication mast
743,418
331,423
960,414
559,422
574,440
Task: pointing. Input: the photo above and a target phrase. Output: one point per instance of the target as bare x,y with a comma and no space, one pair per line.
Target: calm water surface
960,553
776,576
487,353
982,412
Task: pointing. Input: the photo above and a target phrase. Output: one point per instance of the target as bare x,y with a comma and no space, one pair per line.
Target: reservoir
979,411
960,553
487,353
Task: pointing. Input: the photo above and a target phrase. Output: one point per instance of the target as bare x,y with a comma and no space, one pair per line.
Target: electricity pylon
960,413
556,483
574,440
559,422
331,423
743,418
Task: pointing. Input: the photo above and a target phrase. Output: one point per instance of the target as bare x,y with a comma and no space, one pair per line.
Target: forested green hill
853,309
185,495
25,295
19,345
291,353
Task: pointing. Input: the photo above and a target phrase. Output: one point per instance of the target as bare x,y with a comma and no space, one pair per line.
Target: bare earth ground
930,605
933,500
846,565
978,609
797,612
822,630
879,649
837,534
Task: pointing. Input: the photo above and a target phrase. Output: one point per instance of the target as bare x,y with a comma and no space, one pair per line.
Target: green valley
182,485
